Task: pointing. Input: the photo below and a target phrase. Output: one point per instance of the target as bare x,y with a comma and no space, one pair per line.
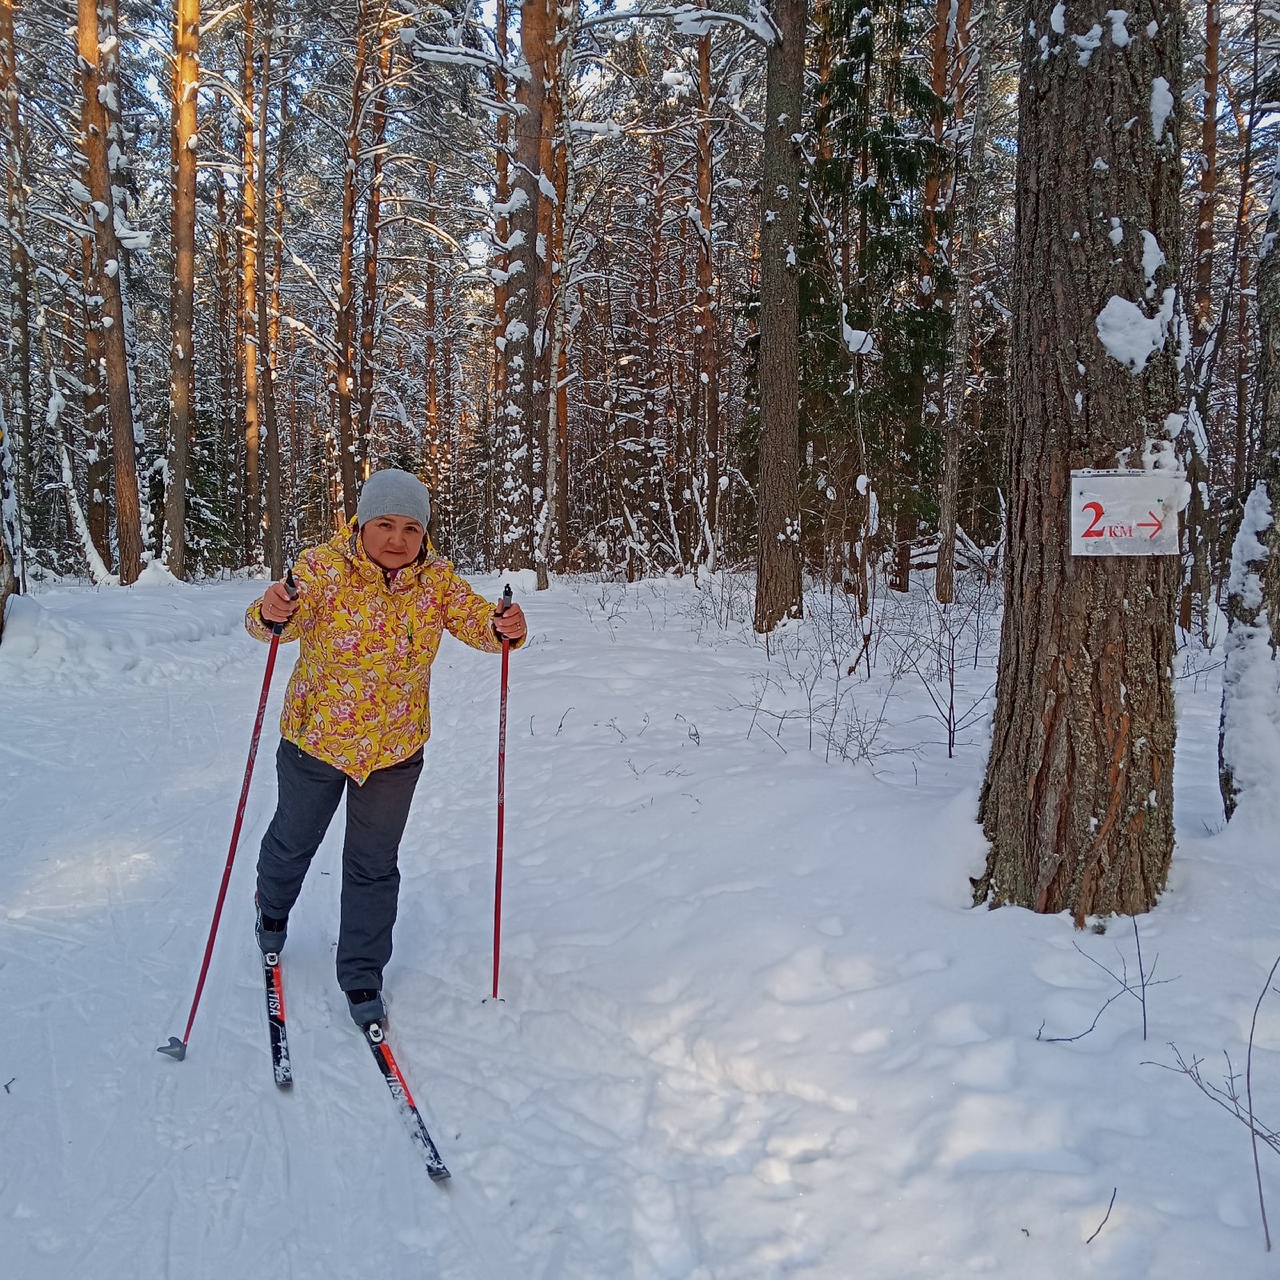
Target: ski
274,976
377,1041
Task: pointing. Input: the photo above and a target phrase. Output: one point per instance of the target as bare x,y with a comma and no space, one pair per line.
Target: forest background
843,291
318,262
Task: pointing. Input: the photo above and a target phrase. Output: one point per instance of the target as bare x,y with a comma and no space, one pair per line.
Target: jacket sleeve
469,616
304,576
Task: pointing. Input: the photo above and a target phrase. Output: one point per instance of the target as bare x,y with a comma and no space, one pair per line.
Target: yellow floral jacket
358,696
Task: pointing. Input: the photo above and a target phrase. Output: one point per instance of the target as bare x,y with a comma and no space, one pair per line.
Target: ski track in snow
750,1027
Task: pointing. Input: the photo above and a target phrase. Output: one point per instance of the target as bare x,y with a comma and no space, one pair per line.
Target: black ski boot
270,931
366,1006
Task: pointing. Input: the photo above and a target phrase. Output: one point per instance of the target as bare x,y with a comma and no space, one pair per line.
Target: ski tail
273,974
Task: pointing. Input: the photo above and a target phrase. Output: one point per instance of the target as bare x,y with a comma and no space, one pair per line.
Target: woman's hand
278,605
511,624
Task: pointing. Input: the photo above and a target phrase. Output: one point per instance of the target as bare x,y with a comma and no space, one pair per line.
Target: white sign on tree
1126,513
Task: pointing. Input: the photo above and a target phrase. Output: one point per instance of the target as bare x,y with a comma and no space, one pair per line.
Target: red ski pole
502,774
178,1048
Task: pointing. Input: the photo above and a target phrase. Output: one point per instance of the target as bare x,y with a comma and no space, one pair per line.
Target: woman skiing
369,608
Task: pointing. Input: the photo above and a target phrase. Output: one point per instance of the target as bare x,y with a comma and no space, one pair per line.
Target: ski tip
175,1048
439,1175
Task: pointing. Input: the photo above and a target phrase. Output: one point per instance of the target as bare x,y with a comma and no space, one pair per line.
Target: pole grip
277,628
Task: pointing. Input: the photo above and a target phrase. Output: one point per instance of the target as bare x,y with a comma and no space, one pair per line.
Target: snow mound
108,631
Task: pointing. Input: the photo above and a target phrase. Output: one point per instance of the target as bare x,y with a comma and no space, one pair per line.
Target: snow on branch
693,20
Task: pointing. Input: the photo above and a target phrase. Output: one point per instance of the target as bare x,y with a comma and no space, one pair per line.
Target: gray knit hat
393,493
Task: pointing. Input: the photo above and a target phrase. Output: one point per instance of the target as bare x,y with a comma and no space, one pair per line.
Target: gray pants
309,791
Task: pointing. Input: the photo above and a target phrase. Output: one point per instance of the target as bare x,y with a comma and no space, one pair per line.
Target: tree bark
525,409
707,388
186,83
19,374
98,73
1253,599
1206,197
266,356
502,221
250,214
372,229
346,317
1078,797
964,242
97,433
778,578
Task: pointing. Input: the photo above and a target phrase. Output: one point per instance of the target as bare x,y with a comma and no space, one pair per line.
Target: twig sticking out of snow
1103,1223
1139,992
1229,1099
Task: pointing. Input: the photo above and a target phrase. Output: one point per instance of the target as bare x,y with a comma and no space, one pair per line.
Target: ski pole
178,1048
502,773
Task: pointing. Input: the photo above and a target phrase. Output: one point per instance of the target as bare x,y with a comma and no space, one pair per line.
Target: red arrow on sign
1148,524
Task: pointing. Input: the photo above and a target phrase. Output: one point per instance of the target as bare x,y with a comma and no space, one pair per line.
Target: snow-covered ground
752,1027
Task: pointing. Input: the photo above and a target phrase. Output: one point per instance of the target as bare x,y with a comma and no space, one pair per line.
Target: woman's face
391,542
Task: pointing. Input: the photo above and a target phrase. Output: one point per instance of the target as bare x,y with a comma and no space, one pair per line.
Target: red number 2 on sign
1093,531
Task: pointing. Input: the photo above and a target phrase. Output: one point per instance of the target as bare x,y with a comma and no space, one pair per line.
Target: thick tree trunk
543,401
225,327
97,432
502,223
8,580
346,317
1078,797
963,245
372,229
19,372
779,589
1247,732
525,409
707,362
266,355
431,353
1206,197
250,213
564,174
186,83
98,44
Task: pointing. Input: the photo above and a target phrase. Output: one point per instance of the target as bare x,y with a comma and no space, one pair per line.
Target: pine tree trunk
225,328
346,317
707,390
1253,615
963,247
18,435
266,356
250,213
1206,197
1197,519
186,72
19,374
372,228
1078,797
558,365
431,366
502,223
778,578
8,580
525,410
542,400
98,72
97,433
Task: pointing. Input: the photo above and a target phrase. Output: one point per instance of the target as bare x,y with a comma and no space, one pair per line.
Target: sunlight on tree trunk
778,581
1078,797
